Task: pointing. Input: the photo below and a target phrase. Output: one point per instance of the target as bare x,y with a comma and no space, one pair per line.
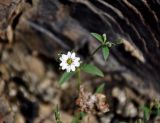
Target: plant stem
79,78
96,50
57,115
92,54
78,70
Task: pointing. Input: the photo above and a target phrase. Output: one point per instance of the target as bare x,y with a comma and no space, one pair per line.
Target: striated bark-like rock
46,26
41,29
9,9
49,25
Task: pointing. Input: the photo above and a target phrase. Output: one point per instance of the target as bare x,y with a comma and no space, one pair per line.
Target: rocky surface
33,32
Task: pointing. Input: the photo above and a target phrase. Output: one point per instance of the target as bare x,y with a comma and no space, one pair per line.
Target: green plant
57,115
152,109
78,117
105,45
74,66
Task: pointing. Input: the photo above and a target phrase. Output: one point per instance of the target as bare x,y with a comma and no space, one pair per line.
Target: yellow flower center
69,61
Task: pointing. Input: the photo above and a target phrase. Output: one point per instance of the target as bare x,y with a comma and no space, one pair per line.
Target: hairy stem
79,78
92,54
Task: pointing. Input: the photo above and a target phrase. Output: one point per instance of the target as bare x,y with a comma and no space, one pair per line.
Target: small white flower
69,62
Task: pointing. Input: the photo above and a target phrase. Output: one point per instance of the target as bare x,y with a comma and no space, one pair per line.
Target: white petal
73,55
77,58
61,64
69,54
64,66
68,69
60,58
76,63
64,57
73,68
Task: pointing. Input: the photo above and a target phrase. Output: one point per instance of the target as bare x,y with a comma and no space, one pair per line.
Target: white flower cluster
69,61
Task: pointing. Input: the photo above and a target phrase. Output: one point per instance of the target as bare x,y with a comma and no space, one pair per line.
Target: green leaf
105,51
100,88
91,69
57,115
65,77
98,37
78,117
146,113
104,38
